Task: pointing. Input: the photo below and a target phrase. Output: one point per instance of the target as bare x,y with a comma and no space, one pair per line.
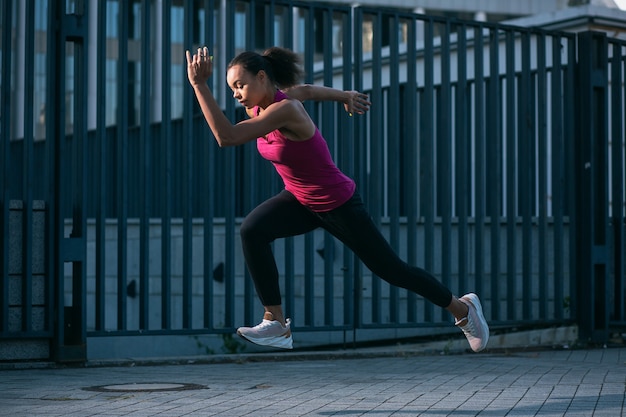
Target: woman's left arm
353,101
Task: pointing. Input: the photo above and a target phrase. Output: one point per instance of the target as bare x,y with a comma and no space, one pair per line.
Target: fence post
68,190
591,212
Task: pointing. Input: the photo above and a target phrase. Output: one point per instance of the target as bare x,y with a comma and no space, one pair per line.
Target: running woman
316,194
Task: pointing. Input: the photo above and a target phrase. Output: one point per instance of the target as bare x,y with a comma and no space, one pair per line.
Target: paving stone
549,383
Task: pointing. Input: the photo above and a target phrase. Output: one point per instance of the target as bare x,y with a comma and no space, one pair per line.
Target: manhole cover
145,387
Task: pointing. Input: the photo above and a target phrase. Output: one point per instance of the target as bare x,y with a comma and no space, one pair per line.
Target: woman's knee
248,229
253,230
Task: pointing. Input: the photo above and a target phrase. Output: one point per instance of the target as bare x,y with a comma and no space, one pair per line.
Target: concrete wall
201,344
26,348
138,346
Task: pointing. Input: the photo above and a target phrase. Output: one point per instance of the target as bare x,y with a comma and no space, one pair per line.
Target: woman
316,194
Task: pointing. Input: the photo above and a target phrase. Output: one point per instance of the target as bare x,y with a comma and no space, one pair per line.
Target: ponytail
284,63
281,65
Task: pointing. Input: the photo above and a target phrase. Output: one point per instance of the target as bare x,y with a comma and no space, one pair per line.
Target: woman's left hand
357,103
199,66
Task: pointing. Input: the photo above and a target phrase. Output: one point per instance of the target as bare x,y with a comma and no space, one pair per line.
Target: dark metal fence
492,156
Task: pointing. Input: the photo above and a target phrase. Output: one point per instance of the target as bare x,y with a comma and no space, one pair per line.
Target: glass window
299,43
177,33
177,24
112,20
111,91
135,21
39,70
241,23
39,98
69,88
41,15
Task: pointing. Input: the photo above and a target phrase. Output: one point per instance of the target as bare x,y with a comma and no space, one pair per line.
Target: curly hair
280,64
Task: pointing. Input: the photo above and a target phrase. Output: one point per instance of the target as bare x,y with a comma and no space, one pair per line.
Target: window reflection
39,70
290,27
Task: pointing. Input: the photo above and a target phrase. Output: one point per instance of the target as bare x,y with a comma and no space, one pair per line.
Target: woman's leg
278,217
352,224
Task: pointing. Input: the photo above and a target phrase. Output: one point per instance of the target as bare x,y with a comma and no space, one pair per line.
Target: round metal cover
145,387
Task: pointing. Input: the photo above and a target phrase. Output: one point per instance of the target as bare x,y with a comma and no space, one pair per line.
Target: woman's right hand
199,66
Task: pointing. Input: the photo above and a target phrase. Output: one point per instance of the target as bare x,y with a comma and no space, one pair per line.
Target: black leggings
283,216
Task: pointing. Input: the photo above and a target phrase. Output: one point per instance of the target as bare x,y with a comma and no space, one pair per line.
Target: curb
539,339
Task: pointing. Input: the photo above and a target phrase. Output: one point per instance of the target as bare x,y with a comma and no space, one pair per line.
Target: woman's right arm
199,69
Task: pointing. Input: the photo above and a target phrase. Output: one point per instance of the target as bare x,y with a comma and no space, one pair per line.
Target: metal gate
492,156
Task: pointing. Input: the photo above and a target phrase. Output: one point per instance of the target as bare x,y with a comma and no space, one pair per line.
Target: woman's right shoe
269,332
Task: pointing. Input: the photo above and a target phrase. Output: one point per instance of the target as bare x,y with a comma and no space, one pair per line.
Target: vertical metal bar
542,153
28,169
617,129
145,162
360,135
622,253
166,188
479,146
584,208
309,272
309,281
412,160
444,158
54,83
79,215
347,165
328,122
393,153
289,242
288,28
58,185
188,149
101,166
427,156
258,190
122,163
209,211
229,158
67,193
376,186
617,180
558,174
511,182
5,140
592,201
494,156
570,107
526,170
462,161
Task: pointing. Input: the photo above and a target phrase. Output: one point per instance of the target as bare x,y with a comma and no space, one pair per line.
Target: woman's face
248,89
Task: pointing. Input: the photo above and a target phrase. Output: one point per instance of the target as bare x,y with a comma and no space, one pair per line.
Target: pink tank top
306,168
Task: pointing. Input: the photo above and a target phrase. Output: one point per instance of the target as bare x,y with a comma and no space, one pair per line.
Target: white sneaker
474,325
269,332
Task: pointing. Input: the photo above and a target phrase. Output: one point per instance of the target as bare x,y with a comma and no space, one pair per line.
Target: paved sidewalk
349,383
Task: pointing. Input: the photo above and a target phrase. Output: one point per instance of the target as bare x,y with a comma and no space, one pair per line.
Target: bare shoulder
288,107
294,119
